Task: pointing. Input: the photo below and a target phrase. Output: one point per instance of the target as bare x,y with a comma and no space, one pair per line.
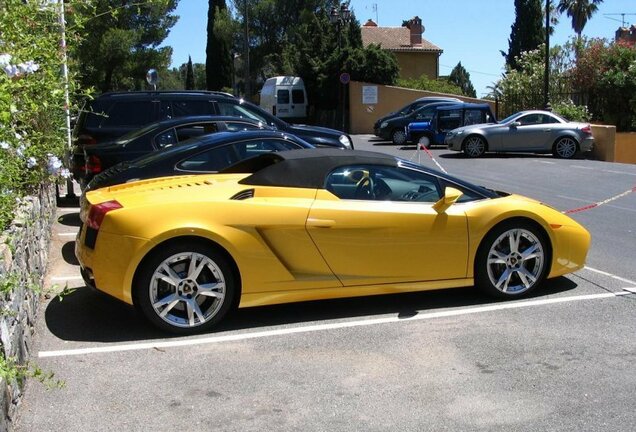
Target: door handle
320,223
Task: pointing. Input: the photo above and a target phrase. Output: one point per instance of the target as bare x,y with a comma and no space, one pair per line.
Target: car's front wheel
474,146
185,287
398,137
512,260
565,148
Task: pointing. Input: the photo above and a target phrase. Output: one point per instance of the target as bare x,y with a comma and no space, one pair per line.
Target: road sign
345,78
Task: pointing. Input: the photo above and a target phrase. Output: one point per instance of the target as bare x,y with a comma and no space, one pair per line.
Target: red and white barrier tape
428,152
600,203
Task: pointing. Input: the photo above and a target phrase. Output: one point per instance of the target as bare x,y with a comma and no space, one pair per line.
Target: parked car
408,109
394,129
526,131
312,224
112,115
447,118
206,154
87,161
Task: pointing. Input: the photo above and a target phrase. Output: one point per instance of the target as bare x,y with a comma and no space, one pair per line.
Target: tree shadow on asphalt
87,315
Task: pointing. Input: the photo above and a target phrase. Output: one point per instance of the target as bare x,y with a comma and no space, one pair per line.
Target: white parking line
581,167
619,172
319,327
67,234
68,209
604,273
65,278
546,162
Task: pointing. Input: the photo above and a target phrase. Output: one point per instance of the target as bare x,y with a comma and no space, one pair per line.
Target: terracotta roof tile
394,39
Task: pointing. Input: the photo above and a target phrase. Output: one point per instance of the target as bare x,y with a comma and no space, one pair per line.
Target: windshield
125,139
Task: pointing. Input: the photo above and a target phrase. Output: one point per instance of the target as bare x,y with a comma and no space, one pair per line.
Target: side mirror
451,195
515,124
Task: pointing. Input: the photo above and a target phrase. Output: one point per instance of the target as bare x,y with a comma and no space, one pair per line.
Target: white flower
4,145
31,162
65,173
20,150
5,59
18,136
11,70
28,67
53,164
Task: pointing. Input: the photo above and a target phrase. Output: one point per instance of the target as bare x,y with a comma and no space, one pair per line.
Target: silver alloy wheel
515,261
566,148
474,146
398,137
187,289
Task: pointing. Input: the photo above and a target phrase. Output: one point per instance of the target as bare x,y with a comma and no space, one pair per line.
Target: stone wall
23,258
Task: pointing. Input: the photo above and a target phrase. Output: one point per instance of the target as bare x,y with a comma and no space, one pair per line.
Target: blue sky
470,31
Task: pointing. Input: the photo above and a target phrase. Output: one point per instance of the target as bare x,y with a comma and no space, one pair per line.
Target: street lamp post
339,17
546,76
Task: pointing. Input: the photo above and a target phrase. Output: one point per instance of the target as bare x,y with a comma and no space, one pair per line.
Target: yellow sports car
313,224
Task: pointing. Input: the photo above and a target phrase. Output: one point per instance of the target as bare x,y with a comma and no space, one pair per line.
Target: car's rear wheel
565,148
185,288
512,260
398,137
474,146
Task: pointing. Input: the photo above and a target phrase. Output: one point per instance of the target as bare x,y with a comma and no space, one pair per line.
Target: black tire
398,136
525,272
213,305
565,148
474,146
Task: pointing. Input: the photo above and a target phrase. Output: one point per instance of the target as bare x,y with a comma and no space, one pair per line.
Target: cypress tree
461,78
527,32
189,81
218,61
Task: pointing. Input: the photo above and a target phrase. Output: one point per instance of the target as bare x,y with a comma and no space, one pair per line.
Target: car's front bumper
453,142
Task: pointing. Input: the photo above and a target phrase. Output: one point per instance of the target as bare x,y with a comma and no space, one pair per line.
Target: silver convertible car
525,131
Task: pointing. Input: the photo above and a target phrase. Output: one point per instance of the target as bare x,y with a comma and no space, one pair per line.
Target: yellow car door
377,225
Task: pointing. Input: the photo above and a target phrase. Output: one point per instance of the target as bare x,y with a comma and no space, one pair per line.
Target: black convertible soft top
306,168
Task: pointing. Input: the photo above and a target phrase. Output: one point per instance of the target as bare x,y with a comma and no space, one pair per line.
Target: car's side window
184,108
547,119
240,126
166,139
211,160
130,113
449,119
383,183
530,119
425,114
252,148
195,130
474,116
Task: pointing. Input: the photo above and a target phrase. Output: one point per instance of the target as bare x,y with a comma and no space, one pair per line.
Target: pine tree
461,78
527,32
218,62
189,81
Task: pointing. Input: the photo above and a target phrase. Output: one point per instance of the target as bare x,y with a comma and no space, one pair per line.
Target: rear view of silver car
525,131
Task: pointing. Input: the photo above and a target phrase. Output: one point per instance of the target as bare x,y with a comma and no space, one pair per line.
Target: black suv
112,115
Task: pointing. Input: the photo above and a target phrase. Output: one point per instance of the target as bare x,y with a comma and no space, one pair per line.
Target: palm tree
580,11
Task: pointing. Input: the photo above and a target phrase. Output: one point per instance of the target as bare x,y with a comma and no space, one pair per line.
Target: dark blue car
447,118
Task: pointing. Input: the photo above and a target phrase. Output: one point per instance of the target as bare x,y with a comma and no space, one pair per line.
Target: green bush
32,101
439,85
572,112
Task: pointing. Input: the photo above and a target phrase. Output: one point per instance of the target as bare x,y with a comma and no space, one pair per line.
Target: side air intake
248,193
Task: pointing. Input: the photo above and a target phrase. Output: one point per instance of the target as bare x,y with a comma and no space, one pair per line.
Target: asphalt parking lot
444,360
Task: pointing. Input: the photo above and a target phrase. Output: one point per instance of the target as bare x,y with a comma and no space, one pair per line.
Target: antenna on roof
375,9
622,14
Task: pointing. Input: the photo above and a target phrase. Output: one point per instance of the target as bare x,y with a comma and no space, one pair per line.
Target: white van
285,97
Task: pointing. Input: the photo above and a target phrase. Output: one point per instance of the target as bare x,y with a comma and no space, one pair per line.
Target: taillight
93,165
98,211
587,129
86,139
